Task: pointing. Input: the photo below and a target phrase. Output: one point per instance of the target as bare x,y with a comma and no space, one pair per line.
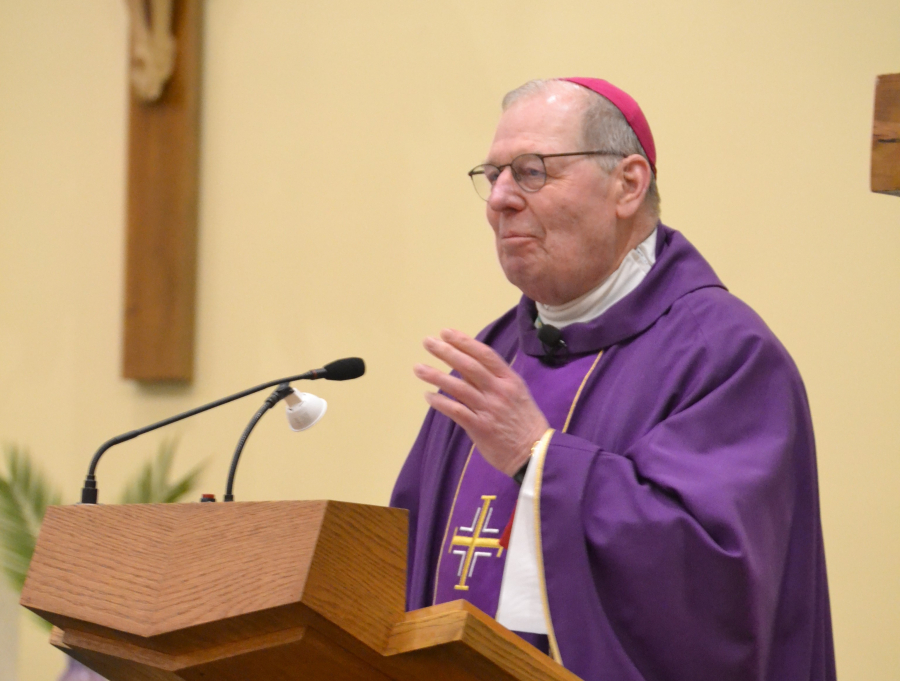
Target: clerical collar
611,290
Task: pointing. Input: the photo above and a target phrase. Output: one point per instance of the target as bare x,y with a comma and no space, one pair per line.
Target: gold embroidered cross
468,556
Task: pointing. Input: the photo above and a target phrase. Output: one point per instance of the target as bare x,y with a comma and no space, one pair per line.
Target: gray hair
603,127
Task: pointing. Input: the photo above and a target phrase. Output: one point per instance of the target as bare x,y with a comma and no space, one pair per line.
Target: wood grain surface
344,572
161,251
886,136
256,590
458,636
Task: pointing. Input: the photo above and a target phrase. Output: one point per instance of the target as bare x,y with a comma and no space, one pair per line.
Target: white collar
610,291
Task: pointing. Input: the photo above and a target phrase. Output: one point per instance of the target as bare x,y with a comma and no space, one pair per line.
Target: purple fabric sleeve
681,539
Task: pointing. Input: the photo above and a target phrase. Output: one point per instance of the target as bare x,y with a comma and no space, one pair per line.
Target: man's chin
523,278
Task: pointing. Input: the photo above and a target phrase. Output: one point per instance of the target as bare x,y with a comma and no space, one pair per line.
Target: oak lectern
268,591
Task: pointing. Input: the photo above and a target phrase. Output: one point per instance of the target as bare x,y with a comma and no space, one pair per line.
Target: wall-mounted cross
163,156
886,136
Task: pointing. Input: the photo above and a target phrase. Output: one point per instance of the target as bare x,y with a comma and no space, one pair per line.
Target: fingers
481,371
485,386
453,386
478,364
484,355
457,412
487,399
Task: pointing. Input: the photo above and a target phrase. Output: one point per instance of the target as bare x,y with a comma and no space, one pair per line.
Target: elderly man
621,469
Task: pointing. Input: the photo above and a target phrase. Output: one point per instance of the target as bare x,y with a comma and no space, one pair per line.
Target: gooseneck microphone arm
339,370
89,491
277,395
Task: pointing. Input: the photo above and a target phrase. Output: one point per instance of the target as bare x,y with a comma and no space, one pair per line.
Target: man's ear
634,180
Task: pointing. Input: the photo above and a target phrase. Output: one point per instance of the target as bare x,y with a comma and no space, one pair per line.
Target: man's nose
506,192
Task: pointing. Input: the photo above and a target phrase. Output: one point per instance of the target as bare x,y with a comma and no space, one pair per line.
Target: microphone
303,413
304,410
339,370
552,340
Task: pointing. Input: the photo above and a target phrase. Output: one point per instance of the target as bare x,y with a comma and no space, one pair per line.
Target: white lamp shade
304,410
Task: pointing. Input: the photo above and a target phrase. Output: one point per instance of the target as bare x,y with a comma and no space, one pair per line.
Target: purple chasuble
472,561
678,515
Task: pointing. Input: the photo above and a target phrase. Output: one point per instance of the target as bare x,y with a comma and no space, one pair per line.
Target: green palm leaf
25,495
151,485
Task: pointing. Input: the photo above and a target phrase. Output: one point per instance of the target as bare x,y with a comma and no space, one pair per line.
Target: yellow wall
336,219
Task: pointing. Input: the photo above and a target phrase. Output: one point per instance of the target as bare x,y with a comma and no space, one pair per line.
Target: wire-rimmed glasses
528,170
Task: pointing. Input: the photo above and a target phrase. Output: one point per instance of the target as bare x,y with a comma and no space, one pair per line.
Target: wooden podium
267,591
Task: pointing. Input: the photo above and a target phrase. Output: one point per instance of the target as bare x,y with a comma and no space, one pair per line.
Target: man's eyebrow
496,163
521,153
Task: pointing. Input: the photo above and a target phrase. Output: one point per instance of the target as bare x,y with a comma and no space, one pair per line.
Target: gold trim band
437,572
540,454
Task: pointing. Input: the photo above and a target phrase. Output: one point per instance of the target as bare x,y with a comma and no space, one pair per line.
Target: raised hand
488,400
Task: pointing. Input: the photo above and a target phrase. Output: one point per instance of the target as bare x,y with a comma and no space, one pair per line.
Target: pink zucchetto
629,108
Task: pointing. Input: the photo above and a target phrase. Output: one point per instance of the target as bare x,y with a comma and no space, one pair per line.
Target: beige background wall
336,219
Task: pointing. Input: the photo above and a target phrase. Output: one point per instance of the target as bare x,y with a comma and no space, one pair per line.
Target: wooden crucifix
886,136
163,159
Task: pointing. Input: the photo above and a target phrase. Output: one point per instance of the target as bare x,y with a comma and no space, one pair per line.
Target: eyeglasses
528,170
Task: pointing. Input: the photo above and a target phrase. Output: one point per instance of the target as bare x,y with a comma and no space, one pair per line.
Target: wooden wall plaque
886,136
161,252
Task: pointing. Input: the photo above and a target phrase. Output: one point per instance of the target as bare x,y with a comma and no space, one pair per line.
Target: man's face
563,240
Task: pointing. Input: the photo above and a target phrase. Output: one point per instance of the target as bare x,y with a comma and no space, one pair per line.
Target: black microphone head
550,336
344,369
